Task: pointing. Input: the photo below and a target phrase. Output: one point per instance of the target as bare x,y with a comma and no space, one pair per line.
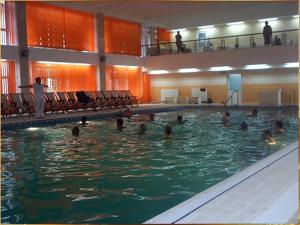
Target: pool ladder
230,98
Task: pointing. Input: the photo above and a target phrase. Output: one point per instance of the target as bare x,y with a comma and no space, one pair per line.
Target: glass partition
285,37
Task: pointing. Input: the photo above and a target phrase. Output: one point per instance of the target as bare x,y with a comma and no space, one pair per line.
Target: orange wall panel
56,27
122,37
61,77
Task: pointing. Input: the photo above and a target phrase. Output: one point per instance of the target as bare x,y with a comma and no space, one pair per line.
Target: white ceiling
179,14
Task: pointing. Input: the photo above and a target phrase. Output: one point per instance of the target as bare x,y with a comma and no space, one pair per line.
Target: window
8,77
8,23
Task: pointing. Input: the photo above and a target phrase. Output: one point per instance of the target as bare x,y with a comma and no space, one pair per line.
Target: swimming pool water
109,176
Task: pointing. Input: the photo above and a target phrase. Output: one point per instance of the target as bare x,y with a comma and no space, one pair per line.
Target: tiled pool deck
266,192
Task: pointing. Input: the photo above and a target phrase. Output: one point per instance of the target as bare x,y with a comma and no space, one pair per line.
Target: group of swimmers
267,134
138,117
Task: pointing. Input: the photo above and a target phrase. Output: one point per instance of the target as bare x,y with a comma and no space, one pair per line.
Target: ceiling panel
172,15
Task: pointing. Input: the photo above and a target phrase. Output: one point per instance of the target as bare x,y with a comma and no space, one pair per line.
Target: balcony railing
287,37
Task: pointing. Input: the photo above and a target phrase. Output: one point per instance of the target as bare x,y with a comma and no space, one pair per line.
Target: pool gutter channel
184,209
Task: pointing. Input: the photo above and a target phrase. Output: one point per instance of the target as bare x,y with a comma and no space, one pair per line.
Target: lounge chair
8,108
53,101
64,100
17,101
28,103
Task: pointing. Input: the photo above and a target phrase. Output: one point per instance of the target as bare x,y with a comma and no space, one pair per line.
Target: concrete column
101,52
22,43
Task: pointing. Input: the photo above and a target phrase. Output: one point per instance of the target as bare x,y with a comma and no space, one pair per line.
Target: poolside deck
266,192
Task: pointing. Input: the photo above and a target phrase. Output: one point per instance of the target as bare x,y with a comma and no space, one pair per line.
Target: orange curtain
8,77
129,78
122,37
146,88
163,35
56,27
65,77
8,23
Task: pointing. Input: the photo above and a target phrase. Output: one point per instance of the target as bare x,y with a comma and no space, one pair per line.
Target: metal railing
230,98
287,37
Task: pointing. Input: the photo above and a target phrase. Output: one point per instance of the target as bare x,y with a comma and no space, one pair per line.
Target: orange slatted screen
61,77
8,77
56,27
163,35
122,37
8,23
129,78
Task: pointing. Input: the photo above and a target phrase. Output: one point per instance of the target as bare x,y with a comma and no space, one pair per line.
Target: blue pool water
109,176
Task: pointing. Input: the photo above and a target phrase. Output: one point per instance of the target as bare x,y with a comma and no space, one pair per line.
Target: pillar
101,50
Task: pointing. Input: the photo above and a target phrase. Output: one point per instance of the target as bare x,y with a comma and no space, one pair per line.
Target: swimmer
225,119
142,129
254,113
168,131
179,119
244,126
267,136
279,126
120,124
83,121
75,131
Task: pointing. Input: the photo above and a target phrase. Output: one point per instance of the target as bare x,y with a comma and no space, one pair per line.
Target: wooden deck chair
95,103
7,107
17,101
111,99
106,103
73,99
54,103
120,98
126,101
64,100
132,97
28,103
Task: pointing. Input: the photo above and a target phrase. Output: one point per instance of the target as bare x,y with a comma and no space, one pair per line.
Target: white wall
191,79
232,57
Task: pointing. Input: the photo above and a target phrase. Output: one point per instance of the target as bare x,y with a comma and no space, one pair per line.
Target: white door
234,89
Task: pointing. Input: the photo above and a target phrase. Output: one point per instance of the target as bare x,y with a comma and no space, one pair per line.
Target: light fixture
257,66
235,23
124,66
220,68
175,30
158,71
64,63
188,70
205,27
296,16
291,65
267,19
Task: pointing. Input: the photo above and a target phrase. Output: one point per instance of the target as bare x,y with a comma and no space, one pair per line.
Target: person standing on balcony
267,32
178,38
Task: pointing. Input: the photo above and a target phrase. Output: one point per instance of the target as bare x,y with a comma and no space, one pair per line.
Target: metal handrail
222,37
230,97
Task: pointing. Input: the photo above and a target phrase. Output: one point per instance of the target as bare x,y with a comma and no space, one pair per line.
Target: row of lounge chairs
20,104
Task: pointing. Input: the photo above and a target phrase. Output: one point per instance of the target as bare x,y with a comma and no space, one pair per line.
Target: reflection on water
108,176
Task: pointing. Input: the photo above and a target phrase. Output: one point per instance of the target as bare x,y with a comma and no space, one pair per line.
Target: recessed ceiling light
158,71
182,29
257,66
188,70
296,16
267,19
125,66
64,63
220,68
290,65
205,27
235,23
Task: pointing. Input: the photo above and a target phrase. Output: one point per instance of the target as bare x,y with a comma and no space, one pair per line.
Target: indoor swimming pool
110,176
